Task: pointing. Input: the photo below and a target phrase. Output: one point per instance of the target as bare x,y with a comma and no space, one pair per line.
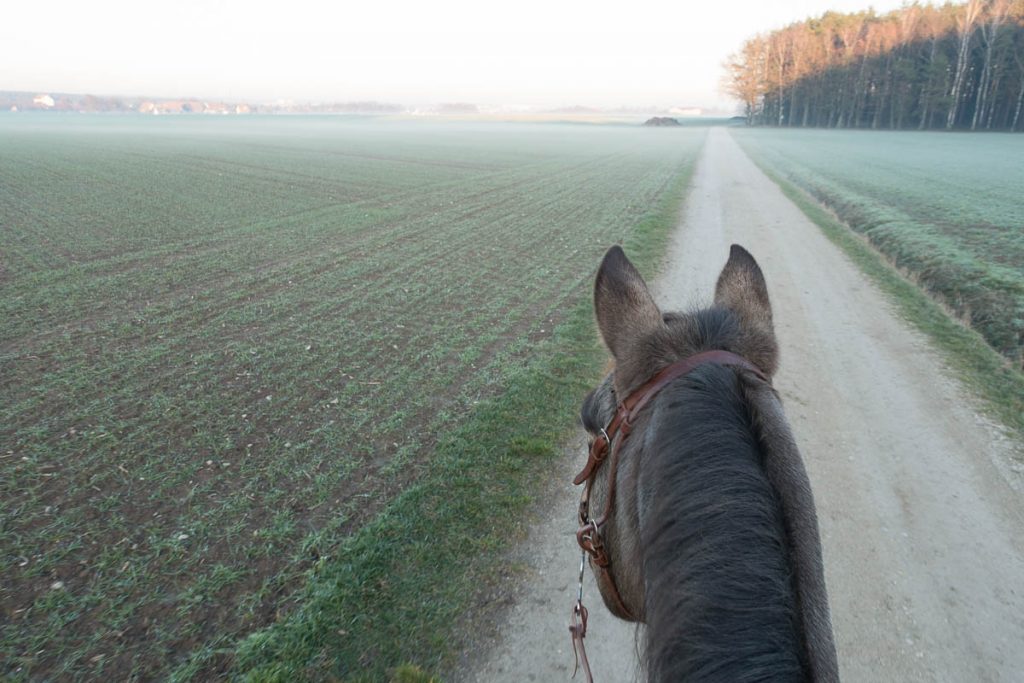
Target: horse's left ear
742,289
624,307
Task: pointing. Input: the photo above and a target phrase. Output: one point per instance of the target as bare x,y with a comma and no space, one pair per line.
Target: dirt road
919,498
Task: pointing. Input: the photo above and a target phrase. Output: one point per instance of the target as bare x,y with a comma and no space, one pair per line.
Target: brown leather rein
609,442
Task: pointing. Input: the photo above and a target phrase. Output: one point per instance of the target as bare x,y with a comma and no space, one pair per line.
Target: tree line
954,66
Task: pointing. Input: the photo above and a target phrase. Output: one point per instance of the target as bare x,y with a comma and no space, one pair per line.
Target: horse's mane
720,602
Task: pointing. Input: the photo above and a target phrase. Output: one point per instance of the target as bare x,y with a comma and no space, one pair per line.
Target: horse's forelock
598,406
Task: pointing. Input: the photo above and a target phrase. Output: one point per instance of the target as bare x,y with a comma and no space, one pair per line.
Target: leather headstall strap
610,441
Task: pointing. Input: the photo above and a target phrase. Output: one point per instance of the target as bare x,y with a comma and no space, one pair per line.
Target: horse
708,534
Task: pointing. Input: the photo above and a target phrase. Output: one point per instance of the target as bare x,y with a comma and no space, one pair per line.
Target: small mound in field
662,121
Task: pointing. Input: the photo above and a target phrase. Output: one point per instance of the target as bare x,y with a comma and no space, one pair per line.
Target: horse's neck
719,601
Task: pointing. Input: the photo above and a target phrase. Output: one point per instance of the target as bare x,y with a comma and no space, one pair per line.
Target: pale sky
525,52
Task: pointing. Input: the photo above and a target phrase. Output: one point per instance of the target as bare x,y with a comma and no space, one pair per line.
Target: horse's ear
742,289
624,306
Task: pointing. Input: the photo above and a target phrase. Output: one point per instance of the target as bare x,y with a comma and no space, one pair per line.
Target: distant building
215,108
43,101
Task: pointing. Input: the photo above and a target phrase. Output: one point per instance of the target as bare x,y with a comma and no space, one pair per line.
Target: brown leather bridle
609,442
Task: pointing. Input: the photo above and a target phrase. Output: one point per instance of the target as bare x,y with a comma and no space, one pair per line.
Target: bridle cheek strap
610,442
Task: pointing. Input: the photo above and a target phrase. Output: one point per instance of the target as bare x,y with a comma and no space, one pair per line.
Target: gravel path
919,497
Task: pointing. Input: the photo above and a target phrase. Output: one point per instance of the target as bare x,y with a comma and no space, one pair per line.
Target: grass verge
395,589
977,364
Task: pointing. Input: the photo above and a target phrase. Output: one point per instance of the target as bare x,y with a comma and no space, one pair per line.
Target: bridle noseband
607,445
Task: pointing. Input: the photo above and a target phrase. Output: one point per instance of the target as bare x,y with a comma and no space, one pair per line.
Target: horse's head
701,524
643,339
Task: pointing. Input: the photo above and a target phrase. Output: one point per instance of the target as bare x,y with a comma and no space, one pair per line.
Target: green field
945,208
274,388
232,346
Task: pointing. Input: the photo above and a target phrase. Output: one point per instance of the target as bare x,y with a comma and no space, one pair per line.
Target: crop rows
945,208
227,344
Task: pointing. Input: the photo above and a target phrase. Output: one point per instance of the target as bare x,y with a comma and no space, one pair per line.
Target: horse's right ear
741,287
623,305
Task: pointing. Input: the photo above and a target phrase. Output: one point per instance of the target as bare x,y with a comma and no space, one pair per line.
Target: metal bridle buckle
589,538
